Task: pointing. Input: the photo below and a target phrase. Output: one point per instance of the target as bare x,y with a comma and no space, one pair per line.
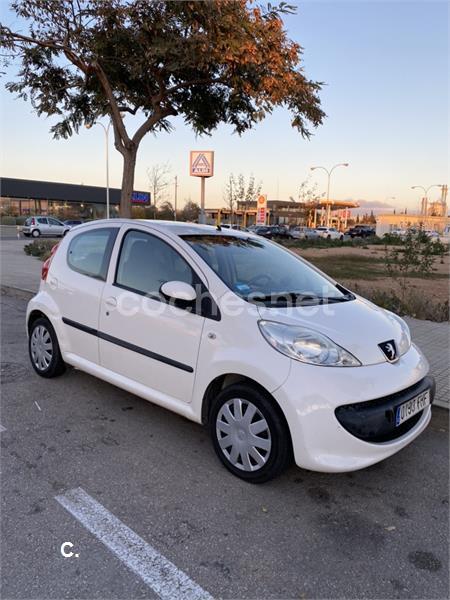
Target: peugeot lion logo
389,349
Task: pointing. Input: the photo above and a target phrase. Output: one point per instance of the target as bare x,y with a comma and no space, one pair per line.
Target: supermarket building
23,197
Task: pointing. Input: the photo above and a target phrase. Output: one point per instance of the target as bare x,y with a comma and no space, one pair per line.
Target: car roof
178,228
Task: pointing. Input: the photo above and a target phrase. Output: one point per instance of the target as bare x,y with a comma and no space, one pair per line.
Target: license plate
412,407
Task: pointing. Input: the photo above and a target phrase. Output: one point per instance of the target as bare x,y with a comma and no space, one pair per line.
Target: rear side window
89,252
146,262
42,221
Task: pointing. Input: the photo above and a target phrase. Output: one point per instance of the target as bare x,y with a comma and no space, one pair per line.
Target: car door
42,225
142,336
56,228
76,279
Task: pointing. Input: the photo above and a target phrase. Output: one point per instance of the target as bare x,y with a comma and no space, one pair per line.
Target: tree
209,62
238,192
416,256
166,211
190,211
230,193
158,179
307,191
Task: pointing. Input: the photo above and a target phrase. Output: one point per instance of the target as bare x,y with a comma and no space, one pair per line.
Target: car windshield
260,271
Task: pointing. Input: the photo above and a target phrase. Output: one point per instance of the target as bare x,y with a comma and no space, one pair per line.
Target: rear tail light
48,262
33,222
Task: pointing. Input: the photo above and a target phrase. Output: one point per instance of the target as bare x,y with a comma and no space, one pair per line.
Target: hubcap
41,348
243,435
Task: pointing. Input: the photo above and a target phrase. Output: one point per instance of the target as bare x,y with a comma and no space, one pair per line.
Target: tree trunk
129,164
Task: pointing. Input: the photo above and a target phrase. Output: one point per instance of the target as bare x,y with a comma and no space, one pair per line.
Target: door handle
111,302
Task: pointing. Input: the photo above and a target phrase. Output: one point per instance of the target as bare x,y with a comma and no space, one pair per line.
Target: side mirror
179,290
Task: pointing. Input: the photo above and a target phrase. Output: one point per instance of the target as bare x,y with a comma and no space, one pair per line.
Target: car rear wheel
249,434
35,233
44,349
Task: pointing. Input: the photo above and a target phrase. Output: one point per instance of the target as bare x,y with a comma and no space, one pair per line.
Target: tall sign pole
201,165
261,210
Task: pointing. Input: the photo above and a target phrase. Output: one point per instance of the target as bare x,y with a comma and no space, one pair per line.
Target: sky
385,68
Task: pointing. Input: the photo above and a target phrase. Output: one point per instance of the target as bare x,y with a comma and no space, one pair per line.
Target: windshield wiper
283,298
296,298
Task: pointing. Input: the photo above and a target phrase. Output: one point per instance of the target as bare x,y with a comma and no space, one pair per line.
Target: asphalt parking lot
377,533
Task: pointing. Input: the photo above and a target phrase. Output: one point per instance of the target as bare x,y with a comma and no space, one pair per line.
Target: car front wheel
44,349
249,434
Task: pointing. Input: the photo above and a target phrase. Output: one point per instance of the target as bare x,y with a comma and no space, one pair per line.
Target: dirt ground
435,287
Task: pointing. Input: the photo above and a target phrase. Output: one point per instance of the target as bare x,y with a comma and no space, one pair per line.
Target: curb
19,292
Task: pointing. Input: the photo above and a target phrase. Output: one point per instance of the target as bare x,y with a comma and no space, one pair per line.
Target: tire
35,233
43,349
328,237
341,238
26,234
272,452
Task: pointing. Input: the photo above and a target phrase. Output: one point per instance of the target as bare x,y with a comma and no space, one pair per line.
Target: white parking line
2,429
154,569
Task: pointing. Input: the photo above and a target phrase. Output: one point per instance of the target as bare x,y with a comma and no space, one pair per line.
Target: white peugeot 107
233,331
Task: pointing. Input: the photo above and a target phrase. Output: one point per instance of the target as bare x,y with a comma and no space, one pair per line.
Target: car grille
374,421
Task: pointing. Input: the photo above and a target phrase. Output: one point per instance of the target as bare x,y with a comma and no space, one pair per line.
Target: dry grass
363,271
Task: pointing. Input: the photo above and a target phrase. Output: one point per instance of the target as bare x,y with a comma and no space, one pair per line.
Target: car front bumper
312,396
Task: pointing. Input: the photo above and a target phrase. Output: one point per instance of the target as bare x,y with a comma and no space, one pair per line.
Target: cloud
375,205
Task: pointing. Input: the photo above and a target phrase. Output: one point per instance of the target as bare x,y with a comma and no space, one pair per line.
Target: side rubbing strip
128,346
79,326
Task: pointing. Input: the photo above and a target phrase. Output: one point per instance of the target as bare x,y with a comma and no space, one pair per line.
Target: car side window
42,221
89,252
146,262
54,222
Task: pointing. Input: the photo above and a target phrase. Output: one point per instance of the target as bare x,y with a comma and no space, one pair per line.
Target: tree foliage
210,62
190,211
158,179
239,193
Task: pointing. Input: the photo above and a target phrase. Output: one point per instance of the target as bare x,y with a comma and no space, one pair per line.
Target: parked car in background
44,226
234,227
282,231
329,233
73,222
263,231
270,379
361,231
274,232
445,235
432,235
304,233
401,233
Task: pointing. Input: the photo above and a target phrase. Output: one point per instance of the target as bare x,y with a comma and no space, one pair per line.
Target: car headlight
306,345
404,343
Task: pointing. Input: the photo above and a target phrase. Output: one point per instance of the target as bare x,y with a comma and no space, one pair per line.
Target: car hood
356,325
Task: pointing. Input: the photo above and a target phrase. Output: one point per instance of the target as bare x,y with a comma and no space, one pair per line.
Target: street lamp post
329,172
175,199
425,198
106,130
